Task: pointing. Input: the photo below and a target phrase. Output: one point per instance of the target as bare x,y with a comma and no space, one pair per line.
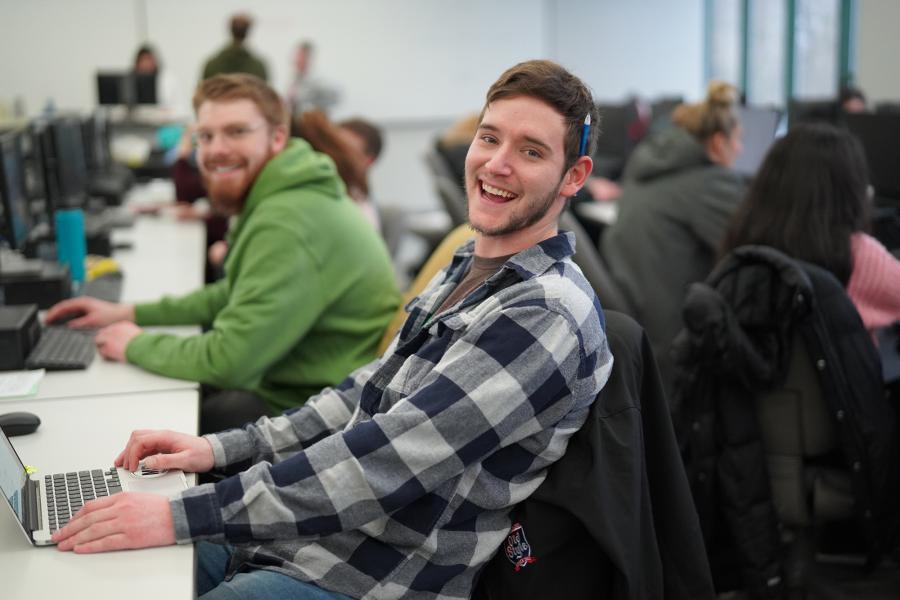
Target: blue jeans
212,561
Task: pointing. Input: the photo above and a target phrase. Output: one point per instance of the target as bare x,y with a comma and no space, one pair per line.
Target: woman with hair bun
678,193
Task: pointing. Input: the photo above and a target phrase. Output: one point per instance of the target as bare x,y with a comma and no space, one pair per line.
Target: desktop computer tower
48,284
19,334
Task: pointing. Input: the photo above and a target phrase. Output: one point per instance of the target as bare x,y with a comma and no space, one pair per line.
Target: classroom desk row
87,417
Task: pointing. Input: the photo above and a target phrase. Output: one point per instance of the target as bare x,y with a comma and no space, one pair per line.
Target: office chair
393,226
438,259
614,518
453,198
588,258
789,442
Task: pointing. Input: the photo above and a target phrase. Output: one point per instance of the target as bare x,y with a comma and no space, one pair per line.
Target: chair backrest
588,258
439,259
798,430
393,226
614,518
453,198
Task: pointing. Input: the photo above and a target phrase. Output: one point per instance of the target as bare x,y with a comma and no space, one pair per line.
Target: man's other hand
122,521
112,340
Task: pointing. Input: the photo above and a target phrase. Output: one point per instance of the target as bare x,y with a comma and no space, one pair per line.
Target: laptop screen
760,126
12,478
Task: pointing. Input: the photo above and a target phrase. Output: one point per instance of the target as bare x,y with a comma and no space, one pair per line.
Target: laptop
44,503
760,130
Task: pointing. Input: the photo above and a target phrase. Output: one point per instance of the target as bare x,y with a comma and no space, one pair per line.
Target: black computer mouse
19,423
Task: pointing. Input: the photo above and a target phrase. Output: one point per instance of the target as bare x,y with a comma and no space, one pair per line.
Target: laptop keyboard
67,492
62,348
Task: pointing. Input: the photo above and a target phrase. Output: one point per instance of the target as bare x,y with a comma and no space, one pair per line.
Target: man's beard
227,199
535,211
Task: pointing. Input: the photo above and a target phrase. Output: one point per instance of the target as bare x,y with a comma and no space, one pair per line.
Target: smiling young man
399,483
308,286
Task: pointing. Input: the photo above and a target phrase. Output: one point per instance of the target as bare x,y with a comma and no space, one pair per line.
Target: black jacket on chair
614,519
736,344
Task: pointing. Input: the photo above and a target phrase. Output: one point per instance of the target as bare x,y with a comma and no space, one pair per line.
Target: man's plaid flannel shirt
399,483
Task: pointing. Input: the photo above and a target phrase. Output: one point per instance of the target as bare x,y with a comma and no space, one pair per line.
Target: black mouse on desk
19,423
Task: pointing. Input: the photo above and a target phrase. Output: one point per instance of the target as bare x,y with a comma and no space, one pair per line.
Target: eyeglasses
231,133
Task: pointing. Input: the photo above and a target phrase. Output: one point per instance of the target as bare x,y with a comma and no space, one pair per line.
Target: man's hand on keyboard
112,340
122,521
162,450
89,313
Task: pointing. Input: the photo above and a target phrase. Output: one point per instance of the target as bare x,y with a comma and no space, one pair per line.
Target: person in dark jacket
678,195
736,344
614,519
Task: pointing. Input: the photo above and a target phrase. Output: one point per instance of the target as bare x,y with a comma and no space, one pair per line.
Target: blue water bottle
70,243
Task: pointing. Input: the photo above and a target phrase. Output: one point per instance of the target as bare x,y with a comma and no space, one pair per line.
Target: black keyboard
106,287
61,348
67,492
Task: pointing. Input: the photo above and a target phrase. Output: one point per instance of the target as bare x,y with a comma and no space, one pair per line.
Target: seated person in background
308,285
168,100
679,192
399,482
364,136
852,100
454,143
314,127
810,200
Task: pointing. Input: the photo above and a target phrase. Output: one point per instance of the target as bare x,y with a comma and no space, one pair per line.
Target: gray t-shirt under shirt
479,271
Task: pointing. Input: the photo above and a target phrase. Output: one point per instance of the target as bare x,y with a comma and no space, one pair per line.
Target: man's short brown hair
554,85
242,86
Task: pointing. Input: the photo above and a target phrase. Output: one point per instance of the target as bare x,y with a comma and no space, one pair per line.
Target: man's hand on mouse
112,340
122,521
90,313
162,450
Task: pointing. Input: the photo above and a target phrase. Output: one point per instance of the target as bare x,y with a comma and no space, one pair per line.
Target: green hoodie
307,293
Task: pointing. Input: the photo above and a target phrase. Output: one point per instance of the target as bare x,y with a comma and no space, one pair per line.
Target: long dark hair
809,196
322,135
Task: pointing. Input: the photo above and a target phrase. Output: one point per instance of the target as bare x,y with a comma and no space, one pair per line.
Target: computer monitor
805,111
614,144
880,138
759,126
126,88
41,181
15,218
69,162
145,88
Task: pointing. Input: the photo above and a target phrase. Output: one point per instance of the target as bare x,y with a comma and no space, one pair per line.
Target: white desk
90,433
166,257
107,377
601,213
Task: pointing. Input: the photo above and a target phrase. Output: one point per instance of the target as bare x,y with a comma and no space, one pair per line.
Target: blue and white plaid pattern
399,482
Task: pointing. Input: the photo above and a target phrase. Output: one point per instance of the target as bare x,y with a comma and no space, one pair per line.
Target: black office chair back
588,259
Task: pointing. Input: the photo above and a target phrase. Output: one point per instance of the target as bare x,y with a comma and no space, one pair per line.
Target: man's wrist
127,312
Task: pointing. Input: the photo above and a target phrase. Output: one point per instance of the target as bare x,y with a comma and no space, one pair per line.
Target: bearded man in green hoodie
308,286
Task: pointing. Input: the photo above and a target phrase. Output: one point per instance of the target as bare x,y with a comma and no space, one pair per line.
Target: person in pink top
810,200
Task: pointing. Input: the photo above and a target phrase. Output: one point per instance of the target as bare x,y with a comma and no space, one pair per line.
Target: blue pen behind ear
585,130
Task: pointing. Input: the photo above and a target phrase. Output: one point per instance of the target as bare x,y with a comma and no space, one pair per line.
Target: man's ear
279,138
576,176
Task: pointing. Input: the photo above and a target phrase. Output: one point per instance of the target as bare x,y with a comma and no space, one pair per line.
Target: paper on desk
20,383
